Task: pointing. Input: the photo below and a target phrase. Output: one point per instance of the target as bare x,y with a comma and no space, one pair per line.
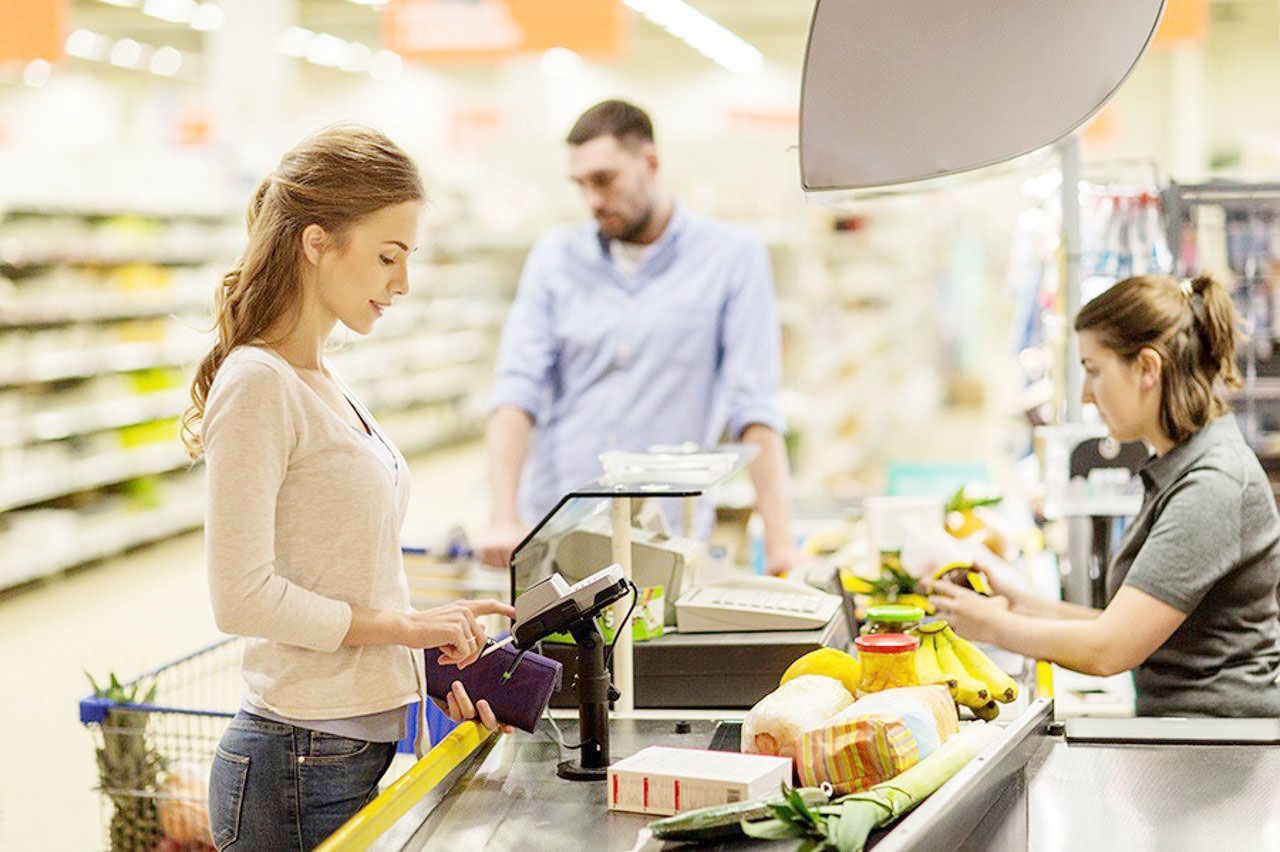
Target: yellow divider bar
1044,679
373,820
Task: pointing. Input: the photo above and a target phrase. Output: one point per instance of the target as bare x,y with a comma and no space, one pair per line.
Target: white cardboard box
662,780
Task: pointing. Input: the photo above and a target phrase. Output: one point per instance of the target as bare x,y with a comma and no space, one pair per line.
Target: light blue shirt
685,348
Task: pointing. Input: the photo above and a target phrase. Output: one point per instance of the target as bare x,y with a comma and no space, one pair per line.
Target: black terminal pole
593,706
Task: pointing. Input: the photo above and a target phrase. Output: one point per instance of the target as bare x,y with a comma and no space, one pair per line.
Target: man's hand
782,562
496,544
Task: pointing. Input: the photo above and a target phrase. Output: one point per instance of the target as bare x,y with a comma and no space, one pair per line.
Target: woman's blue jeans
280,787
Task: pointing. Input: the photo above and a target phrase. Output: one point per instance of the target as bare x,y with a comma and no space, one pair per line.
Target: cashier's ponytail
1192,324
333,179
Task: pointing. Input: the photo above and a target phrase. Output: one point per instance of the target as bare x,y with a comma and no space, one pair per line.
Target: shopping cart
154,738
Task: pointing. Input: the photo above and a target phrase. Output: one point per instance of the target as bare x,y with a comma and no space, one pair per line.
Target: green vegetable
718,821
859,813
845,823
961,503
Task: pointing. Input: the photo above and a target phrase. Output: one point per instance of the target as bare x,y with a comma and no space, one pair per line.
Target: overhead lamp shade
909,90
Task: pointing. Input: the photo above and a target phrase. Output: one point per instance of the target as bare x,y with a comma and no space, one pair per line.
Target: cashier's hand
974,616
455,629
460,709
496,544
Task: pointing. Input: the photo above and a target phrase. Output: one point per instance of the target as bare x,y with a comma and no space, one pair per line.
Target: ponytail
1216,320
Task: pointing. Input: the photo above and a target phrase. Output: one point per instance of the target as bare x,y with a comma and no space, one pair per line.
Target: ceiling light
327,50
386,65
207,17
560,63
173,11
86,44
703,34
125,53
36,74
294,41
356,57
166,61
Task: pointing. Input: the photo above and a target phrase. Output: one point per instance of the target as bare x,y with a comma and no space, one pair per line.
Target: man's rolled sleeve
527,351
751,346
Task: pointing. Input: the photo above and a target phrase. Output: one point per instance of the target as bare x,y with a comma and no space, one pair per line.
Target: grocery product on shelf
775,723
892,618
876,737
830,662
975,680
887,661
843,823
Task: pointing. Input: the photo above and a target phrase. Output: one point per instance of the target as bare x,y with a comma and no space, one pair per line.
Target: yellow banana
987,712
931,627
970,691
979,665
927,669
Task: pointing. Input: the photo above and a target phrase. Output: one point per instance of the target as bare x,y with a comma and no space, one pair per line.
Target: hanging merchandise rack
1232,230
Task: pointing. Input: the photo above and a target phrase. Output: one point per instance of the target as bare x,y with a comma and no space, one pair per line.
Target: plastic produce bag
876,737
775,724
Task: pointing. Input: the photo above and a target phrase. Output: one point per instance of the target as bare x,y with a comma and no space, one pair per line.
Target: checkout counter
1133,784
1086,783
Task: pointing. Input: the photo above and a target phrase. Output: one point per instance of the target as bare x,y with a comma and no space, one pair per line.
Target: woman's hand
1007,582
460,709
974,616
455,629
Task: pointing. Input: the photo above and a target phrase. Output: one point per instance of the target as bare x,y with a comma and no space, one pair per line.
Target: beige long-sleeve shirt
303,519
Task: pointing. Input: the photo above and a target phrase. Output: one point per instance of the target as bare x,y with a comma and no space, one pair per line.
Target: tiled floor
127,615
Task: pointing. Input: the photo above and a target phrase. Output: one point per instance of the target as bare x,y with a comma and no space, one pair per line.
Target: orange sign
33,29
1184,22
478,30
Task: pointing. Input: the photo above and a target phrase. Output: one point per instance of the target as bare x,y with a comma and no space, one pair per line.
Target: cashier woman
1193,584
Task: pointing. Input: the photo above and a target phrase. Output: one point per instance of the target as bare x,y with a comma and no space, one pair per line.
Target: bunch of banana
974,680
966,575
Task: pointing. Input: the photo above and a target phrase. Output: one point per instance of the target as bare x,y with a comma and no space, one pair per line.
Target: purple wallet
519,700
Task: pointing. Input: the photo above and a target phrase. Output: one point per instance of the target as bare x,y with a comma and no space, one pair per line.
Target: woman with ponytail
1193,585
306,496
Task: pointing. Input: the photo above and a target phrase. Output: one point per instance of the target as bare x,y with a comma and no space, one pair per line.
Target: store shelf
92,472
56,366
23,258
97,538
94,308
58,423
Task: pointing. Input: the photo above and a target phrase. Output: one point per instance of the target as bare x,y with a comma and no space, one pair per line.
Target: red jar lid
886,643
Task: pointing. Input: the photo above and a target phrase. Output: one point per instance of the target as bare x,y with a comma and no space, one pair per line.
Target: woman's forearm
1043,608
1073,642
375,627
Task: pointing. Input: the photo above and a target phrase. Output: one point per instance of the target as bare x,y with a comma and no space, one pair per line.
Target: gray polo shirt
1205,542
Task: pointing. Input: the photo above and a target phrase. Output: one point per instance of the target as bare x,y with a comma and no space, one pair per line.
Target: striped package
876,737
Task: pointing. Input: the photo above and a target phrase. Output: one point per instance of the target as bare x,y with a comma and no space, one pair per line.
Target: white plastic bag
775,724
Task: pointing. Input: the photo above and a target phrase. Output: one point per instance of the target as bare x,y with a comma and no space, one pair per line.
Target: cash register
726,643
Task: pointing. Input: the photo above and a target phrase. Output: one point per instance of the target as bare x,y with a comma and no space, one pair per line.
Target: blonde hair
332,179
1191,324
